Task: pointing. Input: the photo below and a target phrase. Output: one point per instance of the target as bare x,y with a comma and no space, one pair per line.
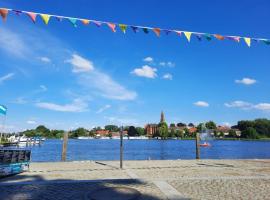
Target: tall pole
197,145
64,147
121,147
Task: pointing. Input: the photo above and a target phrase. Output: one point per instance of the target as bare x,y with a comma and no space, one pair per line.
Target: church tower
162,118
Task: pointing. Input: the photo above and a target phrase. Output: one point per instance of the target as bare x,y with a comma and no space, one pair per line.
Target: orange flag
219,37
4,13
112,27
85,21
157,31
32,16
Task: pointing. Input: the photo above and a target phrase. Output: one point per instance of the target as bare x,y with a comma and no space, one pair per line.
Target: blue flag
3,110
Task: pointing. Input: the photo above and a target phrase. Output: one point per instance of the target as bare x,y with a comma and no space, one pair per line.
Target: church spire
162,118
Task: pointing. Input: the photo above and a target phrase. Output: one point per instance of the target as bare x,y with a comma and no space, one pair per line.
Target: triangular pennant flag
123,27
255,40
157,31
73,21
145,30
112,27
235,38
199,36
135,29
4,13
85,21
59,18
45,18
188,35
178,33
248,41
32,16
97,23
208,37
17,12
266,42
167,32
219,37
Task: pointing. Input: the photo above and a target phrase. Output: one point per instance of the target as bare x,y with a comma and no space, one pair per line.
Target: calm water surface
150,149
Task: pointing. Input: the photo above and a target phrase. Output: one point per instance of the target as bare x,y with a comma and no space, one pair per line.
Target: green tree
191,125
172,133
163,130
200,127
180,124
172,125
112,128
232,133
132,131
140,131
179,134
211,125
43,131
79,132
250,133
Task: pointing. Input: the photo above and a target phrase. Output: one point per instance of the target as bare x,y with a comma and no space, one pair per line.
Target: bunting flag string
123,27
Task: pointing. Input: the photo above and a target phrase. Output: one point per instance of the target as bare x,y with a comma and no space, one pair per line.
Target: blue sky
66,77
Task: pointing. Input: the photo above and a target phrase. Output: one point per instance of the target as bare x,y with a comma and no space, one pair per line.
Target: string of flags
124,27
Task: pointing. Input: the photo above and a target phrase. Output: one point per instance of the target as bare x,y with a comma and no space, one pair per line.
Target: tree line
251,129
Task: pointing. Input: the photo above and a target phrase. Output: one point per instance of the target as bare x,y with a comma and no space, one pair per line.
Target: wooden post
64,147
197,145
121,148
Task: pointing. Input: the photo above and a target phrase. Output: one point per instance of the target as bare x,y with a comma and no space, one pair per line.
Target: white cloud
246,81
226,124
76,106
167,64
201,104
45,59
12,43
103,108
148,59
246,105
167,76
105,86
80,64
122,121
6,77
262,106
239,104
20,100
43,88
145,71
31,122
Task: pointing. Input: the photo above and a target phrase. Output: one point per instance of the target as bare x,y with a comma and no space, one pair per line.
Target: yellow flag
188,35
123,27
45,18
248,41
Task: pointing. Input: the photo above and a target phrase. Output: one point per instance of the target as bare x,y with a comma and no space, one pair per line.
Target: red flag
157,31
32,16
4,13
112,27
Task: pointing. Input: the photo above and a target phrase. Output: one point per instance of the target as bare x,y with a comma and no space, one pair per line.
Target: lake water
50,150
